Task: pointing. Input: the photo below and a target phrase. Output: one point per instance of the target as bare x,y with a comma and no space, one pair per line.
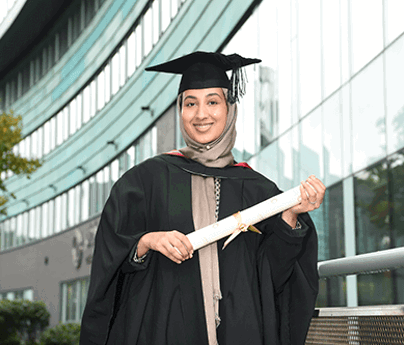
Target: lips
202,127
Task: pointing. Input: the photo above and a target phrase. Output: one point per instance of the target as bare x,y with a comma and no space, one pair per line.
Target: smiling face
204,114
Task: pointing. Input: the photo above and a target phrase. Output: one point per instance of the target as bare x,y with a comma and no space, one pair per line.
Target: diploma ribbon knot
241,227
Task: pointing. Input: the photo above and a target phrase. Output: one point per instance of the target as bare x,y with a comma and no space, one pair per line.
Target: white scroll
249,216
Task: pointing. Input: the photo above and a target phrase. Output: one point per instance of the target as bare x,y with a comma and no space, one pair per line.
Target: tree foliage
22,320
10,135
62,334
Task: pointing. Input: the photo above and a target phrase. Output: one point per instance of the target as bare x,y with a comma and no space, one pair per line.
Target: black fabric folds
269,282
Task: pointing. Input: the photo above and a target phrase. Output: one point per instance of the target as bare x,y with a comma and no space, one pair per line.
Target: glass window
122,65
71,207
107,183
58,214
46,138
396,187
45,220
101,90
2,235
38,222
139,45
25,236
369,138
77,203
174,8
366,31
65,123
311,154
40,142
85,200
332,121
122,164
79,111
115,73
71,307
19,230
165,15
288,159
148,31
93,195
156,21
115,171
330,44
394,68
63,213
309,55
107,73
34,147
86,104
100,191
131,66
93,98
12,232
60,123
394,19
51,216
31,234
74,296
52,131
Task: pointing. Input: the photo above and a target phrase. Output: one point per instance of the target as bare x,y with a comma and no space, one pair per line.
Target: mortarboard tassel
237,85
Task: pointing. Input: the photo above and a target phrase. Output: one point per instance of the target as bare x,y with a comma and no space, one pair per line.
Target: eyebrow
208,95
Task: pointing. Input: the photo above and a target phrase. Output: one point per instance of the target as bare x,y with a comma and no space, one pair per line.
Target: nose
202,112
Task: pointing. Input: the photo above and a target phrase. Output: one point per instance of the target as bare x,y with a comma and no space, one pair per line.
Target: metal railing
383,324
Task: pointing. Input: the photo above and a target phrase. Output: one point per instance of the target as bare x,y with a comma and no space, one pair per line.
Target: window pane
331,50
115,171
115,73
93,98
73,116
38,222
13,231
366,31
79,111
148,31
100,191
51,216
71,207
60,123
31,234
85,200
394,95
174,8
40,142
165,15
53,133
131,54
394,23
86,104
77,206
45,218
107,73
122,65
25,229
101,90
19,230
311,154
58,214
93,195
288,158
63,214
369,138
65,125
107,183
156,21
139,45
331,113
309,55
46,138
71,302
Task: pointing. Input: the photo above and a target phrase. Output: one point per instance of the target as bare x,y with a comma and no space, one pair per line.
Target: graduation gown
269,282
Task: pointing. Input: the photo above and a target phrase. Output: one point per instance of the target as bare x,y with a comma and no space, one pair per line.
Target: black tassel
238,82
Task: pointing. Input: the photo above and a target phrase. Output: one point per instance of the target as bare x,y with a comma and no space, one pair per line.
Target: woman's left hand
312,193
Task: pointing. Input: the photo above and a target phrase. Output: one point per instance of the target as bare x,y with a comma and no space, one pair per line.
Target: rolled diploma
249,216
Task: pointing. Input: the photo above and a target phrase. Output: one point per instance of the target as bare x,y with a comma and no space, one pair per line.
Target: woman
148,286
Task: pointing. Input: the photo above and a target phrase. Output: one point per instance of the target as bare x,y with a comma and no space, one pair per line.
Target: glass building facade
327,99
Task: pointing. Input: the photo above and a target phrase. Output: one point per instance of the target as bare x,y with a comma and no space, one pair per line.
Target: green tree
10,135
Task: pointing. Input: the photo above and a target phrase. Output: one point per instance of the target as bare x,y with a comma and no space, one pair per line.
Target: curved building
327,99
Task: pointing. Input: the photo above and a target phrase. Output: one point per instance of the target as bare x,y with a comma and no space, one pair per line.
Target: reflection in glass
311,153
394,95
396,187
309,55
366,31
332,118
394,23
369,137
332,292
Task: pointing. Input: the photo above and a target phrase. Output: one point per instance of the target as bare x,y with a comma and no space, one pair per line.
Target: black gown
269,282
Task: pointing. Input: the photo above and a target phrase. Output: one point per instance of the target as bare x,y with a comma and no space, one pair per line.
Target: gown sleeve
121,225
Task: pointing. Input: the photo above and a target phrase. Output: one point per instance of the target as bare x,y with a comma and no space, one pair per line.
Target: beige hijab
216,154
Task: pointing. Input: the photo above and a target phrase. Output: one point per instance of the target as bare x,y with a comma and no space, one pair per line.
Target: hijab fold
216,154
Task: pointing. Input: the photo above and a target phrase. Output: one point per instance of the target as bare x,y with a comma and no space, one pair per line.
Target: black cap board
202,70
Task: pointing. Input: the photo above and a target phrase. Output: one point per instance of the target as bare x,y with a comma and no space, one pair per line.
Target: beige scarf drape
216,154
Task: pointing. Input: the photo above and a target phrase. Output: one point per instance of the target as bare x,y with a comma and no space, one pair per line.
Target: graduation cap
202,70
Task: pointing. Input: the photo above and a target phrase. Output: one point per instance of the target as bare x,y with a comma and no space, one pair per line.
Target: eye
190,104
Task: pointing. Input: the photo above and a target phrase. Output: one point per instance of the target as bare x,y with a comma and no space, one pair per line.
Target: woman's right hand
173,244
